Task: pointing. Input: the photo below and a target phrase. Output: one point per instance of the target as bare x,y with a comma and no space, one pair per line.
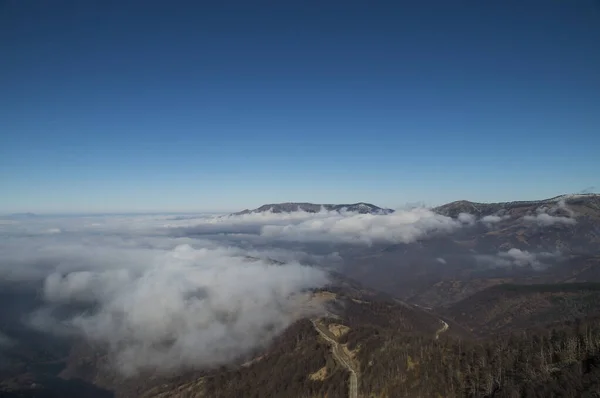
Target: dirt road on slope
341,357
442,330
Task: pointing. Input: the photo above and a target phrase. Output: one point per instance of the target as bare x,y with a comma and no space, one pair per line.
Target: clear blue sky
109,106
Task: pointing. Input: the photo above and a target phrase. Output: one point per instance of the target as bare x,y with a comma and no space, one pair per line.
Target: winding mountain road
341,357
344,359
428,310
442,330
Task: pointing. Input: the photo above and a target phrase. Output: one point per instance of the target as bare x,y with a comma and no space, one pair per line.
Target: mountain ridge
292,207
481,209
451,209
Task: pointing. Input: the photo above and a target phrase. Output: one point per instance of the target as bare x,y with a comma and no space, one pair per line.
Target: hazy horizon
199,211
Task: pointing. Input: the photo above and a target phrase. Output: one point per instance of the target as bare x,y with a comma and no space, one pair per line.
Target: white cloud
466,218
155,300
546,216
189,307
517,257
170,291
493,219
399,227
402,226
440,260
545,219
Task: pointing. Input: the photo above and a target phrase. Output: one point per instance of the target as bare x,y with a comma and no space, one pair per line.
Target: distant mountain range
445,268
290,207
453,209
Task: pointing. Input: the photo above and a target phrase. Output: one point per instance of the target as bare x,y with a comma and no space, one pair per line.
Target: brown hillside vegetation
510,307
286,369
564,361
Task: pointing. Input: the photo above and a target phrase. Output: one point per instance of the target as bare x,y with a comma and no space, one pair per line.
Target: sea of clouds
154,300
166,291
399,227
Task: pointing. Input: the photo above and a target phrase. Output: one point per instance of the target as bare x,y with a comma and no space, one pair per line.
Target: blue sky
185,106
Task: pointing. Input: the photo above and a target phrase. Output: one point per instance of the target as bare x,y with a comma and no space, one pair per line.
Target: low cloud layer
189,307
403,226
517,258
493,219
155,301
559,214
164,292
546,220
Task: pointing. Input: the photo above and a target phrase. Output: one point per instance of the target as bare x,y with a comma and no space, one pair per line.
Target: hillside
397,353
509,307
543,241
447,292
559,361
395,349
531,343
578,201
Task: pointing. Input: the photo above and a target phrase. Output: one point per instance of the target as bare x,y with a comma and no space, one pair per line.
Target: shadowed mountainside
509,307
543,241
